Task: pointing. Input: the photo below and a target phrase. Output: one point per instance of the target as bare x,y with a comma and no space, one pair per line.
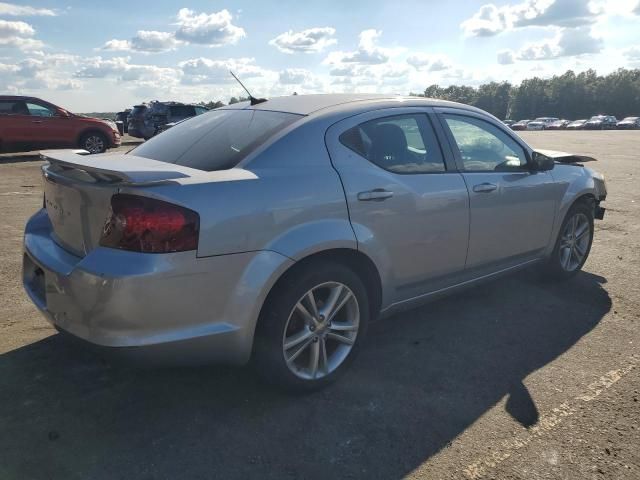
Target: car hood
564,157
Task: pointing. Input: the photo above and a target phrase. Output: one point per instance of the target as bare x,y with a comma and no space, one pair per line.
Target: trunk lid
78,189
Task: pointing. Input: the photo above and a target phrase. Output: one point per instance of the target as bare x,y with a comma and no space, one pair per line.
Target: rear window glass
139,109
182,111
12,107
216,140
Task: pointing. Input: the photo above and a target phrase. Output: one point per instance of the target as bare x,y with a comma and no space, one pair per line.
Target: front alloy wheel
574,243
321,330
94,143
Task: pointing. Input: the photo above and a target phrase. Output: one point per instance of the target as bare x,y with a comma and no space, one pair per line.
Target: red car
28,123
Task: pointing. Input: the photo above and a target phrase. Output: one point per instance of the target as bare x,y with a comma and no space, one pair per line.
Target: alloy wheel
94,144
321,330
574,243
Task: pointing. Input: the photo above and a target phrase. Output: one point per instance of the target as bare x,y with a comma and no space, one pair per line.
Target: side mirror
62,113
541,163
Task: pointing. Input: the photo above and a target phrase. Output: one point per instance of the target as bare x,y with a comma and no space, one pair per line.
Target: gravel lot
513,379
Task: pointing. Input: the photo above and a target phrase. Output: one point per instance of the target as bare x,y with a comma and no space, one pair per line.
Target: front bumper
168,309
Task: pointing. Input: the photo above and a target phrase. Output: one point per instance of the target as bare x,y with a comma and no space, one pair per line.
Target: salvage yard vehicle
520,125
28,123
275,232
601,122
541,123
629,123
558,125
147,120
577,124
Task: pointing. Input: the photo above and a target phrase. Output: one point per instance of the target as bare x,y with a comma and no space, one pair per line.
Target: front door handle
376,195
484,187
36,121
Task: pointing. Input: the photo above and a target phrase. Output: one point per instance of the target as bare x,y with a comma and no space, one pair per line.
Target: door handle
36,121
484,188
376,195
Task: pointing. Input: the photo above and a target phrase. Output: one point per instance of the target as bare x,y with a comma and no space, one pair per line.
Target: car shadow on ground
422,379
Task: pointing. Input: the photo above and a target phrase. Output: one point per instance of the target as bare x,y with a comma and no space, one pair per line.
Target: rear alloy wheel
312,327
574,242
94,143
321,331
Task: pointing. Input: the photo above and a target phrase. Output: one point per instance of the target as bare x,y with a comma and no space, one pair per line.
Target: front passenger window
484,147
37,110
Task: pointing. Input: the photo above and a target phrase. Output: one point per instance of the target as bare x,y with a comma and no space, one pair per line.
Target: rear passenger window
182,111
13,107
400,144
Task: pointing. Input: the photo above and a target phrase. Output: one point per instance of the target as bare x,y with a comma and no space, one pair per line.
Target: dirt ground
516,379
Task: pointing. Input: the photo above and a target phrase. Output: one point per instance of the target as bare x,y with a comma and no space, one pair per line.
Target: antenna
253,100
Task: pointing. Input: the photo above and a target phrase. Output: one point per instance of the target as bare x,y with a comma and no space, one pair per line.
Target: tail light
148,225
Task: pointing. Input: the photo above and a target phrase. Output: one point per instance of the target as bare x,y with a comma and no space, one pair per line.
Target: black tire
554,266
268,356
94,142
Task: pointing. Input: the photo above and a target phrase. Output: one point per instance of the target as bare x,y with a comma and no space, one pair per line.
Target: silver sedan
276,232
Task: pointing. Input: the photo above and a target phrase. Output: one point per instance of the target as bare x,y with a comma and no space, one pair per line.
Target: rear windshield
138,109
216,140
182,110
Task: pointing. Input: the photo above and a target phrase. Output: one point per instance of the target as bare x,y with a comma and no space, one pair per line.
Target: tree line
567,96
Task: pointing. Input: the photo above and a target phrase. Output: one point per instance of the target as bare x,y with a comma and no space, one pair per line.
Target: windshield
216,140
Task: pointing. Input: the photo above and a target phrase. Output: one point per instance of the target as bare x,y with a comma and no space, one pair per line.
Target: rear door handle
484,188
376,195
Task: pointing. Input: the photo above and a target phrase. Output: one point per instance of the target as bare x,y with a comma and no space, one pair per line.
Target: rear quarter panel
294,205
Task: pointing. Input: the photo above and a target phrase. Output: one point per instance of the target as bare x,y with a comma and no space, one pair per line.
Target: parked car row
148,119
597,122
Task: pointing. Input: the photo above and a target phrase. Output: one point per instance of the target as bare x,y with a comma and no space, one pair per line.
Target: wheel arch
357,261
89,130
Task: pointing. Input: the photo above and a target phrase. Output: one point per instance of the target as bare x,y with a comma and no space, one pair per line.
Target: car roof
19,97
311,104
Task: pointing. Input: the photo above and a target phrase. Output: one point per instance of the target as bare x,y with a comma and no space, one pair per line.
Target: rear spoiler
564,157
134,170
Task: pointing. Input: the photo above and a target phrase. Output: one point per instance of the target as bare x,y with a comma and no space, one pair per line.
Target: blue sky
105,56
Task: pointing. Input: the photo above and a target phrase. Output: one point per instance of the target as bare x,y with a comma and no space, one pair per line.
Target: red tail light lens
148,225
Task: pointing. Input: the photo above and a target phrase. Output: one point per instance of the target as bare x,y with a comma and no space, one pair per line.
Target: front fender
576,182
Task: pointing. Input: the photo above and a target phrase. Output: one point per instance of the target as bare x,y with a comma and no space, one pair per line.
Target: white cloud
122,70
18,35
214,29
632,54
367,53
430,63
198,71
10,9
569,42
15,29
490,20
311,40
145,41
117,45
292,76
37,74
506,57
